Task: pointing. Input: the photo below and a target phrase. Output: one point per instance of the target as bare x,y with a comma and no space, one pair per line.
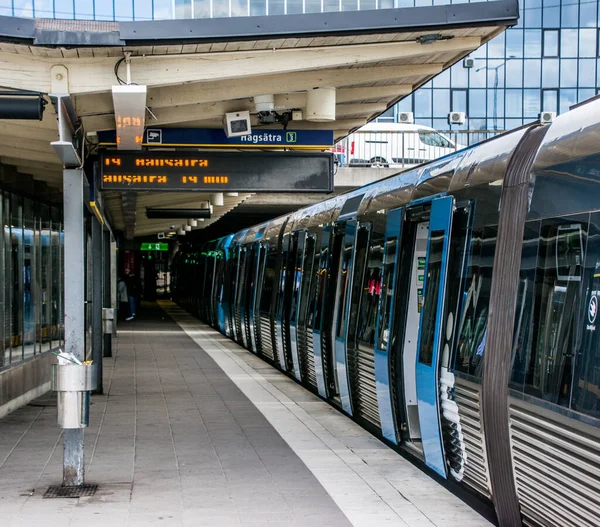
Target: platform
195,430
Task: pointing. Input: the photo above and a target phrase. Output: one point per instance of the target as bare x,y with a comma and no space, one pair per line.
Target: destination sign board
156,246
216,137
217,171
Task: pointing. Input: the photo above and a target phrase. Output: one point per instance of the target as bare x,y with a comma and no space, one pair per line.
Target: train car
450,309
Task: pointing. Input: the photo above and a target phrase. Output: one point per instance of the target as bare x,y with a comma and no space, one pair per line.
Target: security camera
237,124
172,227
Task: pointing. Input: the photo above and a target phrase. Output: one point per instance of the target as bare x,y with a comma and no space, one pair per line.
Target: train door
258,257
427,321
344,260
281,312
318,312
296,271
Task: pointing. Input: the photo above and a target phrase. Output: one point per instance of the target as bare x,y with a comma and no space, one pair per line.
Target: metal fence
404,149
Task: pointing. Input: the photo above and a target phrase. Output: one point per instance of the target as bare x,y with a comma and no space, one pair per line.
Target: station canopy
196,70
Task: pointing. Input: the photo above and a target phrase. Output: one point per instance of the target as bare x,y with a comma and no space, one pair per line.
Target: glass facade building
31,265
548,62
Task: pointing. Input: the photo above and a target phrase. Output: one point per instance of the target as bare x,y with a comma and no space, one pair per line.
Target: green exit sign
154,247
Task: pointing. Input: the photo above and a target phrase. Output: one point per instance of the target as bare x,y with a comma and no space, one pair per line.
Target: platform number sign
291,137
158,246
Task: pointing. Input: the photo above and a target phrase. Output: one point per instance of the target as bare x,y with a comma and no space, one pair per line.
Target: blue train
451,309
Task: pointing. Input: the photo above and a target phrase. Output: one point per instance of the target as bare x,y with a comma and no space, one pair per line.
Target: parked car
397,145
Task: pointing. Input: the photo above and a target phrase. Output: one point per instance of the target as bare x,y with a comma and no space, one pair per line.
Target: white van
396,145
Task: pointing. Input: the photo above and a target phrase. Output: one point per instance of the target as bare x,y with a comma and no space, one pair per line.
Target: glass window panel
477,101
570,15
369,304
183,9
533,73
423,103
586,396
551,17
587,43
405,105
23,8
495,124
424,122
16,234
478,77
294,7
386,4
514,43
7,281
533,43
163,9
550,100
514,103
567,99
7,8
365,5
495,73
587,14
495,46
64,9
550,73
459,76
310,6
514,73
142,9
549,365
441,124
202,8
585,94
347,5
495,106
533,17
220,8
123,10
459,101
531,103
551,39
45,273
568,73
476,124
240,7
443,79
469,355
441,102
568,42
45,9
329,5
587,73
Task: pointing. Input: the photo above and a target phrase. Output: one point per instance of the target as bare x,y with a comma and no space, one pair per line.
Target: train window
476,299
320,280
586,388
430,307
367,323
307,281
342,288
523,333
268,283
549,368
362,243
387,290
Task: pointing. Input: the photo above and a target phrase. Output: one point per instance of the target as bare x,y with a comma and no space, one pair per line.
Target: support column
107,289
97,299
74,290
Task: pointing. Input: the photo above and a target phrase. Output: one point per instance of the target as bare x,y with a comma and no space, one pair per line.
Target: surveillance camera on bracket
237,124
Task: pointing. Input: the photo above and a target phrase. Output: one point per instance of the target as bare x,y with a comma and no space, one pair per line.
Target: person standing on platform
122,297
133,291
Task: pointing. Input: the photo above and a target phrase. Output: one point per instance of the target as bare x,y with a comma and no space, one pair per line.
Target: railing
404,149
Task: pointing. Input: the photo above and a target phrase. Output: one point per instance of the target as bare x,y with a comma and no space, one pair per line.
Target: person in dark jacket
133,291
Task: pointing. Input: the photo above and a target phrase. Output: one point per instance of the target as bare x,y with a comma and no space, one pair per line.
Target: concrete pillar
107,288
74,263
97,298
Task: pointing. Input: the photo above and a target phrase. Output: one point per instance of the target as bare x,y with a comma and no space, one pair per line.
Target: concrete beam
96,75
218,91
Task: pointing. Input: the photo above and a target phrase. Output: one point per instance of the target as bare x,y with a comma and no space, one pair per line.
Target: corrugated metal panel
307,358
365,385
468,398
557,468
265,337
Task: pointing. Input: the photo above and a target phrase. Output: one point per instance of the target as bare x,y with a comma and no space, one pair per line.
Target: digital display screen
217,171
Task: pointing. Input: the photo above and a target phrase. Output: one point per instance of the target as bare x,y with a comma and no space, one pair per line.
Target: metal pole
107,289
74,290
97,299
